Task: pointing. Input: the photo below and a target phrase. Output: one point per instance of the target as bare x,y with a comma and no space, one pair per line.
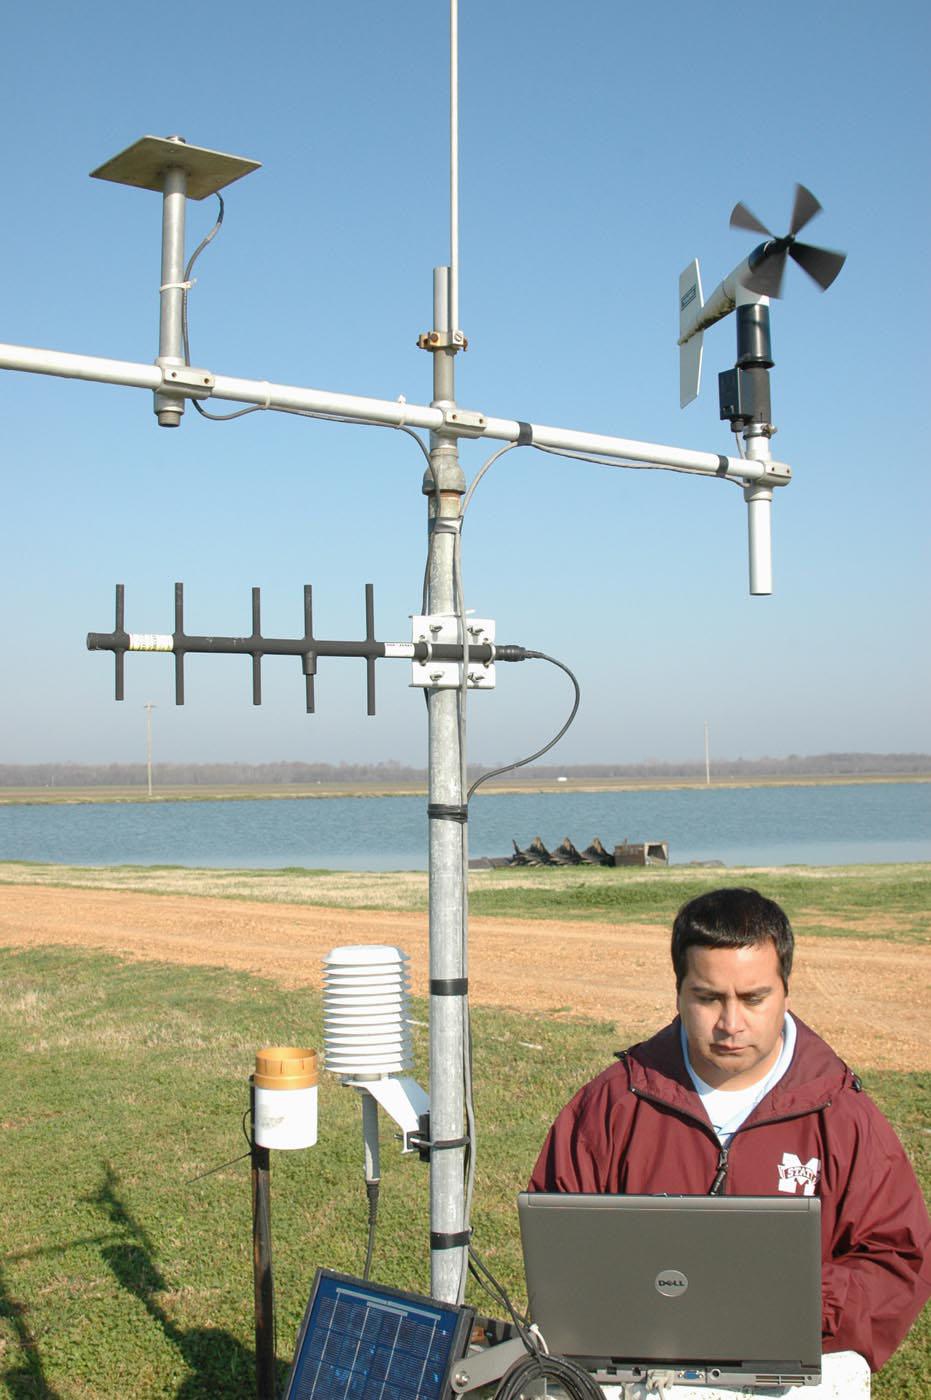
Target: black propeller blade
768,262
741,217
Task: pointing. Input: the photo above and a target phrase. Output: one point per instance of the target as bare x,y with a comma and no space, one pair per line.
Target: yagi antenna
752,282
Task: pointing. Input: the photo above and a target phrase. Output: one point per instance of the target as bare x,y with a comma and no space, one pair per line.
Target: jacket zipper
720,1176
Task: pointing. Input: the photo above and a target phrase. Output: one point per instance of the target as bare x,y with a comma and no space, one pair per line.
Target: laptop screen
718,1289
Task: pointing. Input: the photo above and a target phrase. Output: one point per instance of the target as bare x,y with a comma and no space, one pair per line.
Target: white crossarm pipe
392,413
67,366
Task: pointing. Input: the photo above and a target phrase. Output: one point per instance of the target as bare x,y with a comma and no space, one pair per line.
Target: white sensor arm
392,413
401,1097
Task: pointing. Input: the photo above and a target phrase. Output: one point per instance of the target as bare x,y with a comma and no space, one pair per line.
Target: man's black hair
731,918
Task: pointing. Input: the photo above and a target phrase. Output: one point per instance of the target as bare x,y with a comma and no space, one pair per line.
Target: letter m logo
793,1172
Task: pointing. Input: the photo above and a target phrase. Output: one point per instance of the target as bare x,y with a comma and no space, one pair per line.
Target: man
738,1097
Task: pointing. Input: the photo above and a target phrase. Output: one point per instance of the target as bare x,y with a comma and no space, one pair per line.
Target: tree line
388,773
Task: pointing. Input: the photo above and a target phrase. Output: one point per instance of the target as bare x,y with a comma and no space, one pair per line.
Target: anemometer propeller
751,283
767,263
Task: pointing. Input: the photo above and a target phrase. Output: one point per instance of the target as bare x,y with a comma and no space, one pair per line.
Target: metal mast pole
171,292
444,485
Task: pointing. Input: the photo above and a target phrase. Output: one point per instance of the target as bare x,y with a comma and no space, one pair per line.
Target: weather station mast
450,652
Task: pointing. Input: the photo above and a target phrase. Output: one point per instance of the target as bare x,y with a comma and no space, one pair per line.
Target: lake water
859,822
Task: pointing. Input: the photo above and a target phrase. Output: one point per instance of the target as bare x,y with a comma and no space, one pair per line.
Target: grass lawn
886,901
121,1275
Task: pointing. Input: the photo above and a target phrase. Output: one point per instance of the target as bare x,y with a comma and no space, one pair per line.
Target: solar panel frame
360,1340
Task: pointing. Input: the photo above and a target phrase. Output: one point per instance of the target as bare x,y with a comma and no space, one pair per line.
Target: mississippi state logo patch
793,1173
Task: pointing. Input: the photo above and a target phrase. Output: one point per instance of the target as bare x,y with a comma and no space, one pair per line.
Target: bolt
436,677
435,627
461,1379
433,337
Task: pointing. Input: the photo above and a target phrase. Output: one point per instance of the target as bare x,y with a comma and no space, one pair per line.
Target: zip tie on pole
268,394
447,812
524,434
441,1240
177,286
449,986
403,402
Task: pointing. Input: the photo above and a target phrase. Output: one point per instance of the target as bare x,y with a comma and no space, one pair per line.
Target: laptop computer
719,1290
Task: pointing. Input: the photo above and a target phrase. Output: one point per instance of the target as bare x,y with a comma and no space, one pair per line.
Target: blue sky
603,146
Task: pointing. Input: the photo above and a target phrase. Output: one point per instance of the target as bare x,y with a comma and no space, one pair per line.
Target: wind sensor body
744,391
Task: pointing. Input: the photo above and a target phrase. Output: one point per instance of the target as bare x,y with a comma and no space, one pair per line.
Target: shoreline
49,796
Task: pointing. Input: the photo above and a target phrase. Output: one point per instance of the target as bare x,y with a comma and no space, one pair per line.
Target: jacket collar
815,1076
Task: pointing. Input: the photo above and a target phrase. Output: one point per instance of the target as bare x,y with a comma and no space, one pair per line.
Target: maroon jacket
640,1127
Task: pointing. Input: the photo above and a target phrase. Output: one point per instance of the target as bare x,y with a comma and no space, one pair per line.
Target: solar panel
364,1341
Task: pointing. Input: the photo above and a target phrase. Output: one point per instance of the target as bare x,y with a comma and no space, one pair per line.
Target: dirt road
868,998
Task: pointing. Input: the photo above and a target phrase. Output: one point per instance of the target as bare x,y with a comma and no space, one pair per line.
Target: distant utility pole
707,760
148,707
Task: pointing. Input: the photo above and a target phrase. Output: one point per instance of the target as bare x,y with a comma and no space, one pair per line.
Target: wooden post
265,1377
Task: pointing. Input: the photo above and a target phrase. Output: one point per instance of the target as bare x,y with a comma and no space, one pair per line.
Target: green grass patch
885,901
122,1275
863,901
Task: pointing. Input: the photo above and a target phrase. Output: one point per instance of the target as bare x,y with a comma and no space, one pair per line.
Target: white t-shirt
728,1108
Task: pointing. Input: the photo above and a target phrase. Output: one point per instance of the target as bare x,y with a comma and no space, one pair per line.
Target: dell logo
671,1283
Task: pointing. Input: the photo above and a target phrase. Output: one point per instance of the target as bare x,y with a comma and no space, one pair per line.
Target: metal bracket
447,675
774,473
487,1366
464,422
185,381
442,340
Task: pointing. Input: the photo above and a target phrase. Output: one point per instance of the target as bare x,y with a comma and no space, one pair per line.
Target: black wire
507,767
223,1165
576,1382
495,1290
371,1190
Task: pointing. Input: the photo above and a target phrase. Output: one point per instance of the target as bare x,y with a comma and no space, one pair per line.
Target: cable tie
446,812
177,286
268,394
439,1239
403,401
449,986
524,435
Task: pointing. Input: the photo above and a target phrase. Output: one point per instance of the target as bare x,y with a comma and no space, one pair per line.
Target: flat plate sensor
143,166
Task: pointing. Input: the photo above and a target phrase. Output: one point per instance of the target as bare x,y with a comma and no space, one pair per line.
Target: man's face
733,1005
